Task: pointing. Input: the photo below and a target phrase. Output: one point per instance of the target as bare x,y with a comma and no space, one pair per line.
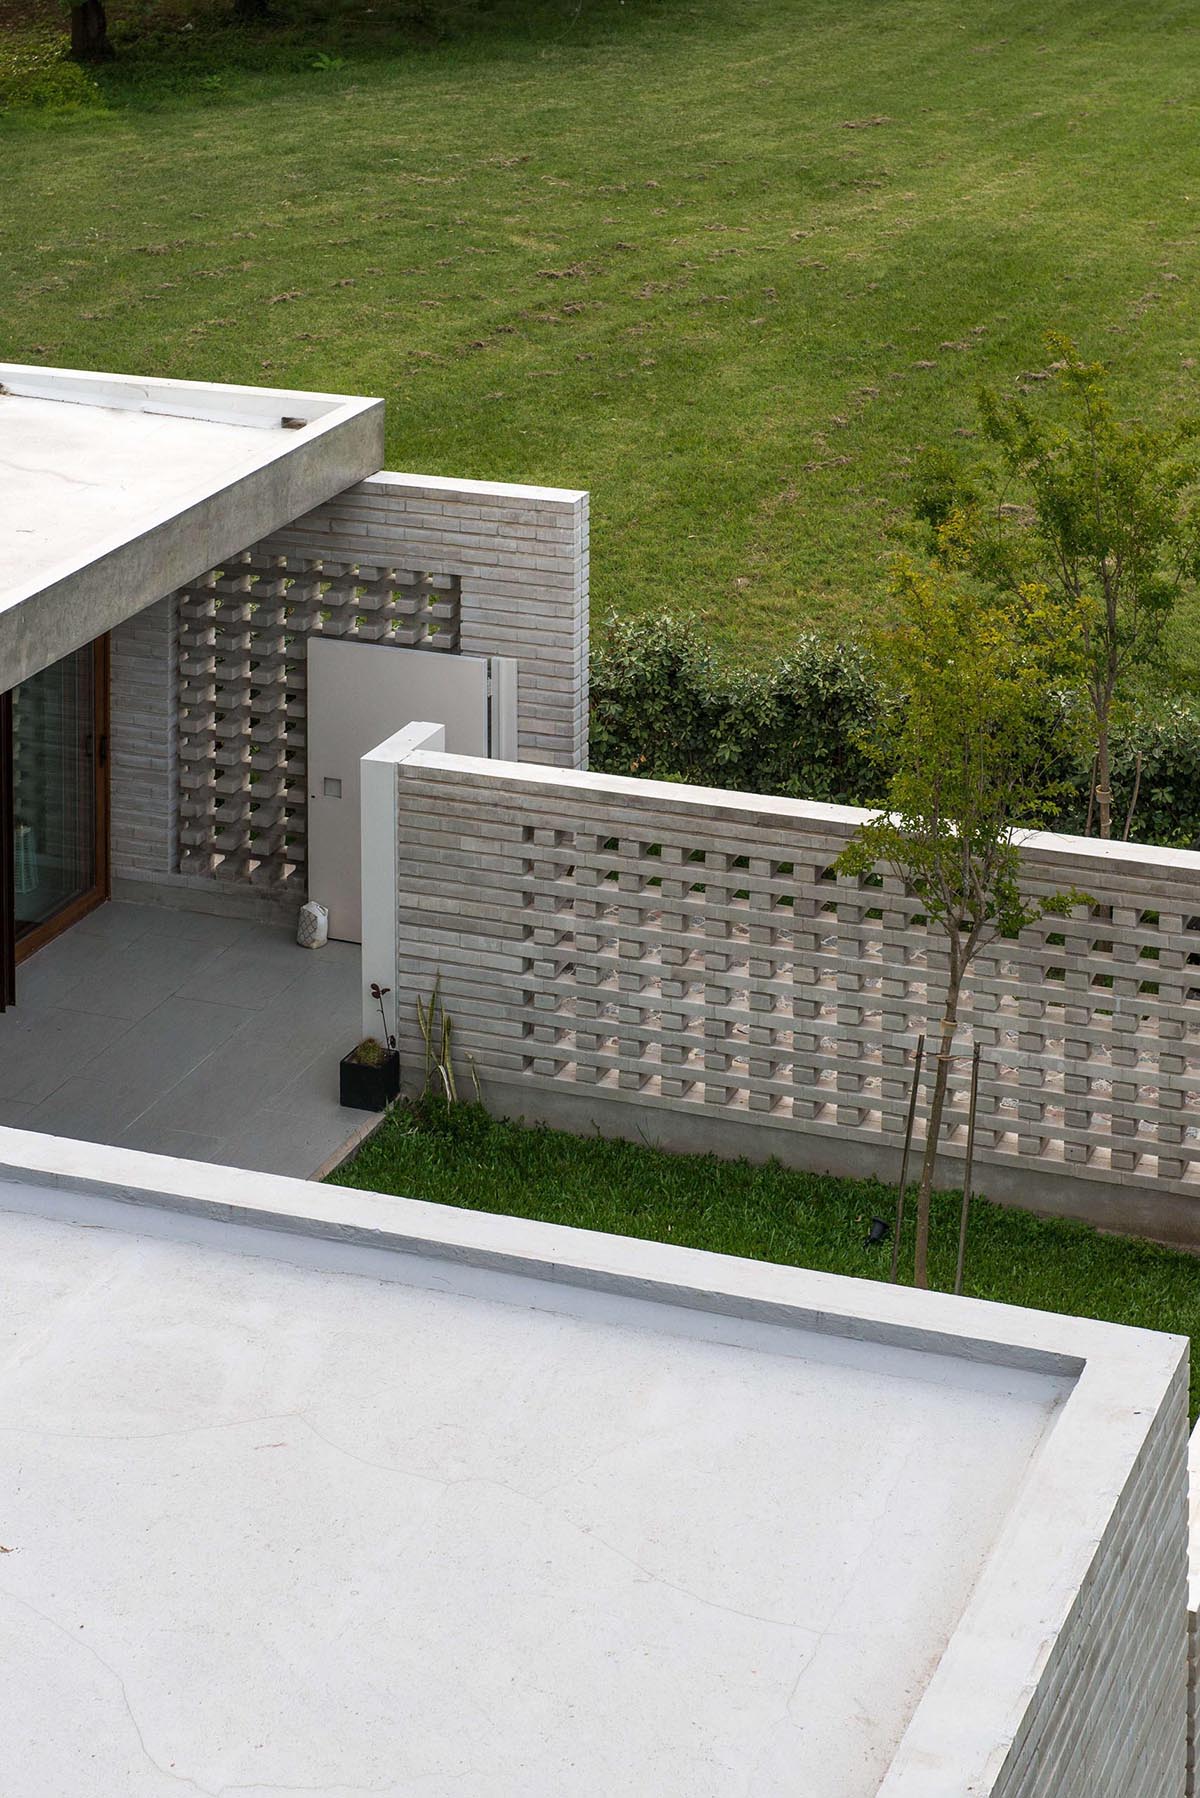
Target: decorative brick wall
209,733
683,962
520,556
243,690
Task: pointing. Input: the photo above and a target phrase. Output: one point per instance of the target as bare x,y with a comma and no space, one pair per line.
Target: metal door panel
359,694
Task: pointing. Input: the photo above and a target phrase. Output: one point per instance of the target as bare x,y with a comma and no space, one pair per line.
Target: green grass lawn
461,1157
726,263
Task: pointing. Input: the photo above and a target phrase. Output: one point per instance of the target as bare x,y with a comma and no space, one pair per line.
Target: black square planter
367,1088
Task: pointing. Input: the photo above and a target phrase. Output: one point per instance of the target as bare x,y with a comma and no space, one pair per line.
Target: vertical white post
379,789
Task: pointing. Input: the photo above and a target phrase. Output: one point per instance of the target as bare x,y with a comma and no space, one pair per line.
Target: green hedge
666,706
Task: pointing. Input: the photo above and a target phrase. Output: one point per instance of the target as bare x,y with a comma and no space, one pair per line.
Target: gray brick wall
142,744
1108,1718
518,561
646,958
1193,1620
521,558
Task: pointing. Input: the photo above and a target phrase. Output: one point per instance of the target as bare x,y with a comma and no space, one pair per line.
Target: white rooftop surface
271,1525
77,476
115,489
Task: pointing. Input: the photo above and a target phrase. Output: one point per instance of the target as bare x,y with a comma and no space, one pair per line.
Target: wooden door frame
99,891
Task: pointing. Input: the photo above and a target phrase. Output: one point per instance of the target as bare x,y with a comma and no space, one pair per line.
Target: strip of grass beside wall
460,1156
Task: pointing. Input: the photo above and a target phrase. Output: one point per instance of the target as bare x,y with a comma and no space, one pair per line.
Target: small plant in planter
369,1077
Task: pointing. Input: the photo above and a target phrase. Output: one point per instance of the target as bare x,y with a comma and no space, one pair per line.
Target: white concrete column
379,834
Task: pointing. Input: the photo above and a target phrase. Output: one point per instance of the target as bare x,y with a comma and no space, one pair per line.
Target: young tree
1101,512
966,743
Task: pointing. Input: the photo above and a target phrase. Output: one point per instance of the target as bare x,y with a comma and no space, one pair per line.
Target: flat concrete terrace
311,1489
206,1037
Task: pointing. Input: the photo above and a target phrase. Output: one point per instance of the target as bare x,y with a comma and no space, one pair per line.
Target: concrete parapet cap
495,490
1083,852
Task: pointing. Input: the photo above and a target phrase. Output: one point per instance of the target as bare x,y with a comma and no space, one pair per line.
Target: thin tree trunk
89,32
937,1106
1103,780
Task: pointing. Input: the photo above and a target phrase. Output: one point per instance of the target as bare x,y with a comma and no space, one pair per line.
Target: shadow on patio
204,1037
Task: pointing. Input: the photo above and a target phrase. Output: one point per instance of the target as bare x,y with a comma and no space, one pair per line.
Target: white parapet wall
683,964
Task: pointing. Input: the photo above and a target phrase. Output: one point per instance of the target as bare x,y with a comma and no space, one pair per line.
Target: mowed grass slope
727,264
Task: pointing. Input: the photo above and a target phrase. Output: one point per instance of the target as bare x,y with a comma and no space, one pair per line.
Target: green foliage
457,1155
35,72
969,754
969,764
1098,514
667,706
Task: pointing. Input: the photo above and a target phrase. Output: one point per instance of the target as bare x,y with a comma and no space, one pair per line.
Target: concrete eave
281,473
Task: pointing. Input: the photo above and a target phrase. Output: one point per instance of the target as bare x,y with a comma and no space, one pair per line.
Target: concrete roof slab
350,1490
114,490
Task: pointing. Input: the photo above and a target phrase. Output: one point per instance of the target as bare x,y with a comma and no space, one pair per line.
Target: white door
359,694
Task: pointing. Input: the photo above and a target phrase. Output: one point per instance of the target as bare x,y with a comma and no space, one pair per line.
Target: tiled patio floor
185,1034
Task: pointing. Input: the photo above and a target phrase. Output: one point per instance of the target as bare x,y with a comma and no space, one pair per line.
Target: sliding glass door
57,776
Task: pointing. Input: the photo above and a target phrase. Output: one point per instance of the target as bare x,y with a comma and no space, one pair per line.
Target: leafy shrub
36,72
666,706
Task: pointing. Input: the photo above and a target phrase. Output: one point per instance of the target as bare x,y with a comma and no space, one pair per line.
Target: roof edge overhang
332,442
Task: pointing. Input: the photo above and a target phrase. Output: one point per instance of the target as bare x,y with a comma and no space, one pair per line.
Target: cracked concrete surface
274,1529
74,477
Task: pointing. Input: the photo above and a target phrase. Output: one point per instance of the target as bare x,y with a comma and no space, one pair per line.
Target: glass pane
54,789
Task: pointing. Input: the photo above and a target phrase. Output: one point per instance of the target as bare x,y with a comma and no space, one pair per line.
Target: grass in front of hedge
727,263
460,1156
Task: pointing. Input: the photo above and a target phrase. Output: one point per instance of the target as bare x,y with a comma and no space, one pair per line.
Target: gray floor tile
15,1114
165,920
134,980
182,1144
51,976
206,1038
41,1047
317,1017
252,970
302,1127
116,925
151,1056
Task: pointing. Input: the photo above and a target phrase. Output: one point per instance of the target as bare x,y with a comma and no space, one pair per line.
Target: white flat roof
312,1489
114,490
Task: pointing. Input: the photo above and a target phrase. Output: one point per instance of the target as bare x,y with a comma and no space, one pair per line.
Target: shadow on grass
176,49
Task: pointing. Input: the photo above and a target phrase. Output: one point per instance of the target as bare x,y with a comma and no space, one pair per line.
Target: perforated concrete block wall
643,957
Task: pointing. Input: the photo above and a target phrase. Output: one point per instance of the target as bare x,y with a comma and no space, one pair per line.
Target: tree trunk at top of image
89,32
937,1106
